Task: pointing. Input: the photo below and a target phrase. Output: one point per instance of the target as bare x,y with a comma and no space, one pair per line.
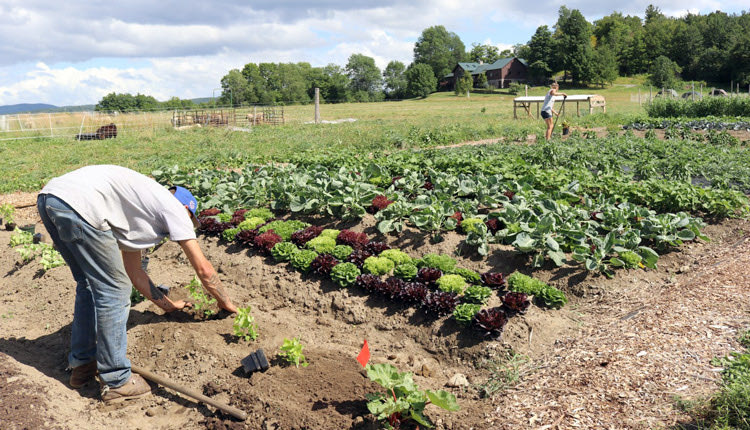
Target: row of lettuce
433,282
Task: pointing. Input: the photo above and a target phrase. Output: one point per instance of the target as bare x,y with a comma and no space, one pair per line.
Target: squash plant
402,400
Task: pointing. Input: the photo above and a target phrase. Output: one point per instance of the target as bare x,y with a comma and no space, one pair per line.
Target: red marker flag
364,355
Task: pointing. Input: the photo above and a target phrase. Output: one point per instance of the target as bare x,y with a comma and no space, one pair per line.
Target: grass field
441,119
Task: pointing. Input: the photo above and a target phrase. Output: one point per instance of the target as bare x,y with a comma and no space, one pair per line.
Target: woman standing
547,110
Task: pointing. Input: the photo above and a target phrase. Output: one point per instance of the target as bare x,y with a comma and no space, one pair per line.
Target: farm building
500,74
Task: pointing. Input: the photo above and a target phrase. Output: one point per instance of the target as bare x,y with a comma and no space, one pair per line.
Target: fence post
526,88
80,130
255,115
692,90
317,105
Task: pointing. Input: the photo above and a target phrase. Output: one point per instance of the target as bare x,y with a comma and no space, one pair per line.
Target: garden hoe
191,393
562,106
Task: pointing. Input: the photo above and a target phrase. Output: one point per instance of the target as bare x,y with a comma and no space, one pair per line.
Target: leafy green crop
451,284
244,325
345,274
342,252
283,228
321,244
464,313
302,259
469,276
378,265
201,300
521,283
283,251
251,223
406,271
402,400
291,352
477,294
396,255
552,297
437,261
20,237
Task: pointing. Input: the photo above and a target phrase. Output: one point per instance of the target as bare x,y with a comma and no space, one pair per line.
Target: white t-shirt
549,101
139,211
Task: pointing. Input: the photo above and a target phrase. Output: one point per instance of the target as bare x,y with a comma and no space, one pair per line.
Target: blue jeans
102,305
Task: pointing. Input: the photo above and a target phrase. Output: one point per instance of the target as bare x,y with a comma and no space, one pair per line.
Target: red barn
500,74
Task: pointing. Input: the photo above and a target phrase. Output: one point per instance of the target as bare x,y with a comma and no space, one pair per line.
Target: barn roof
476,68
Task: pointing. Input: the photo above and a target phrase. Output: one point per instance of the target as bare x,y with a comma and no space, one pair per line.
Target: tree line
713,48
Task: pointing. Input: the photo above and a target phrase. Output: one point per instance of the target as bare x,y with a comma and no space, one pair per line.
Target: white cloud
75,51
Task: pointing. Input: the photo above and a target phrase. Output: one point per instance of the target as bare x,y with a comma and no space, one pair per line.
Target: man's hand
207,274
180,304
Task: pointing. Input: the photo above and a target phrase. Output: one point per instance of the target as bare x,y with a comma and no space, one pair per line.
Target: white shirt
139,211
549,101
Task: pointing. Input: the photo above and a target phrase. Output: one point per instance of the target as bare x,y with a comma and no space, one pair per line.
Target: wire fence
98,125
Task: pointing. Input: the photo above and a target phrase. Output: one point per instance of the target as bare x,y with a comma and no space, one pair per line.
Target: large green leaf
443,399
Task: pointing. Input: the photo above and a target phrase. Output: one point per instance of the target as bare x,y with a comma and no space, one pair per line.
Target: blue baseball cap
186,198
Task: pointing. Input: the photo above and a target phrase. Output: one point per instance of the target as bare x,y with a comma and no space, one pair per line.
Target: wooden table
525,103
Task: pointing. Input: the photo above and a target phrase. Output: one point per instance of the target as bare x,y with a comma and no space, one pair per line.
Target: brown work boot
134,388
82,374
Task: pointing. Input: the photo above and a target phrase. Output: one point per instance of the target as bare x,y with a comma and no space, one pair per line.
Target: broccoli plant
402,400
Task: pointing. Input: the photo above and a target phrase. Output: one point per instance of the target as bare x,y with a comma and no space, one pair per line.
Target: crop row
433,282
692,124
655,174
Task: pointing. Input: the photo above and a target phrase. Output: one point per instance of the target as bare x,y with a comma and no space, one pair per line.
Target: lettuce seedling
291,352
201,300
244,325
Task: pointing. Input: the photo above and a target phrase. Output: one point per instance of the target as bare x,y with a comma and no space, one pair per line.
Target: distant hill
25,107
41,107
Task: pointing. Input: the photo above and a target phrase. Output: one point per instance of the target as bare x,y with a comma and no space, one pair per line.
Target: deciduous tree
439,49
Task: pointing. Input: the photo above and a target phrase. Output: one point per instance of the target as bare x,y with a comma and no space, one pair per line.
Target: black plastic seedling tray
254,362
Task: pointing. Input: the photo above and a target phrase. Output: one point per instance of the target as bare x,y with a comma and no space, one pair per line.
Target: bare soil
614,357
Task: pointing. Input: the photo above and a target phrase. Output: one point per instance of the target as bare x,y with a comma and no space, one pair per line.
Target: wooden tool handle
188,392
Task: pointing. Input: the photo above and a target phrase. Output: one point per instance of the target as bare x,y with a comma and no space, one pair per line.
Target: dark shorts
546,114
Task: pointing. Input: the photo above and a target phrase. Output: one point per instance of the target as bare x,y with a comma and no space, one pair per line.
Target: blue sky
75,52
